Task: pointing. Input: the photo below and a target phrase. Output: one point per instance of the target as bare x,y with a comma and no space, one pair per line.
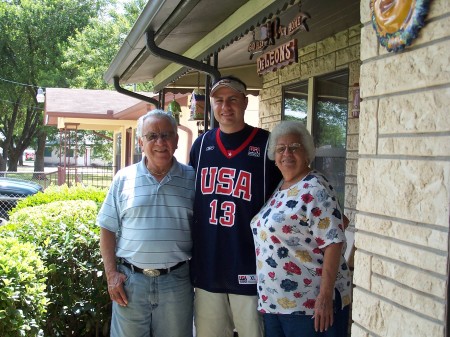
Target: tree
297,109
329,122
87,57
90,51
34,33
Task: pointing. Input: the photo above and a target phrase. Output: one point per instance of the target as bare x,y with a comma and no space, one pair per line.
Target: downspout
162,98
180,59
213,123
185,61
208,105
134,94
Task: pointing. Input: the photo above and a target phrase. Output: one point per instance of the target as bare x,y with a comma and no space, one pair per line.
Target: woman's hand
323,308
323,312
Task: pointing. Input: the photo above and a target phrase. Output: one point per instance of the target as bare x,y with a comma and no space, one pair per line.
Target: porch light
40,97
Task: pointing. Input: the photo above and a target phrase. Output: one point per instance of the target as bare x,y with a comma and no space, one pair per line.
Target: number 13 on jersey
228,208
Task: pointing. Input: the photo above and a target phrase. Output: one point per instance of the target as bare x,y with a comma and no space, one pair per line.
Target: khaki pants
218,314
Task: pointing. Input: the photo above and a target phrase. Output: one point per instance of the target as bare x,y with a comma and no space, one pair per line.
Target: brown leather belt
152,272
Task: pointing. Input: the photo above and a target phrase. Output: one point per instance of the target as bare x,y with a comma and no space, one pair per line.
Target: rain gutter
150,12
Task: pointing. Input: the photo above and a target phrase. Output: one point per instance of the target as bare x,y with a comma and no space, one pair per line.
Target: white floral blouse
290,231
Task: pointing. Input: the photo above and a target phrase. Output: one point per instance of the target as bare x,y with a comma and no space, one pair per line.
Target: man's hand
115,288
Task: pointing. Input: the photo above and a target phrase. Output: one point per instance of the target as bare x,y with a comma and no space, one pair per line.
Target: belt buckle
151,272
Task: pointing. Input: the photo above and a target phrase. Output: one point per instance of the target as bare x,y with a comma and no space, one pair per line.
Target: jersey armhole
200,154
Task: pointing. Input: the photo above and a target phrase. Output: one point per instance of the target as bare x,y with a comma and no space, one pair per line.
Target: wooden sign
277,58
273,30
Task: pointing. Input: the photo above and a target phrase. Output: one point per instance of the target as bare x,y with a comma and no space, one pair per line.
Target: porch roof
85,104
197,29
96,109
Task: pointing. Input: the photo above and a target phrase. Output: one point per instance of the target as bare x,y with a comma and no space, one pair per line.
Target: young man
145,225
234,177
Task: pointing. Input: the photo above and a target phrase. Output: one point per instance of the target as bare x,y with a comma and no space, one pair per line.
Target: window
296,102
118,150
48,151
137,157
322,104
70,153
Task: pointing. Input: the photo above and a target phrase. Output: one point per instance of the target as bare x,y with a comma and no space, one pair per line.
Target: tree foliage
296,109
90,51
87,57
329,123
34,34
86,64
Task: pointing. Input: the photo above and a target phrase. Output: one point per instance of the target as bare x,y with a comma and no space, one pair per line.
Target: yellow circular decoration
397,22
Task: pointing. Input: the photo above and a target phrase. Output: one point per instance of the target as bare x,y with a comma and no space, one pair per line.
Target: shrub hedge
61,224
60,193
23,299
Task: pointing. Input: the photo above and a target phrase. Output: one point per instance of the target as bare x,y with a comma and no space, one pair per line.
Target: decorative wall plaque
273,30
397,22
277,58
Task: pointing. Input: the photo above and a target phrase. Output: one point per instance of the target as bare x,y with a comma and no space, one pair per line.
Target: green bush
63,192
67,240
22,289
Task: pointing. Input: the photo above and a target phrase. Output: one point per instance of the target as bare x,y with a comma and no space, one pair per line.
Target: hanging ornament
197,102
197,105
174,109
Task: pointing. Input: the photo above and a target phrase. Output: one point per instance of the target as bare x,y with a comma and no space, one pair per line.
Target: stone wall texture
397,192
403,183
336,52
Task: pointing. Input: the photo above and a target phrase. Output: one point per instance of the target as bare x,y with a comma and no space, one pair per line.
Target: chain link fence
15,185
97,176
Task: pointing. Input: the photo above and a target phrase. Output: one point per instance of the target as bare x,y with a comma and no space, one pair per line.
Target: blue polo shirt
152,220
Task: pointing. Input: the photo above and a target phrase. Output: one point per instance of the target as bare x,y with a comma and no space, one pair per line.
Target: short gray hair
158,113
292,128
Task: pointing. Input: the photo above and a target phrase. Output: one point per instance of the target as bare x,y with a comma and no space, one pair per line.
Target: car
13,190
29,154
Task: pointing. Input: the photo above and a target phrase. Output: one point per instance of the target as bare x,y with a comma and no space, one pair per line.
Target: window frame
312,98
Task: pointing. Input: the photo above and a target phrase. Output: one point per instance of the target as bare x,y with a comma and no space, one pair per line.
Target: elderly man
145,237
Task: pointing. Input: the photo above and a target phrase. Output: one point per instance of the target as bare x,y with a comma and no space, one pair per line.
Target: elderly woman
303,278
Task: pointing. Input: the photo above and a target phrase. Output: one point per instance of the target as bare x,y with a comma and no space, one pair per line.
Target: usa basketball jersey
234,177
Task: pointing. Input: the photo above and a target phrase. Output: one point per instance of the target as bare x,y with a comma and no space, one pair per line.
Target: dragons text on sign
279,57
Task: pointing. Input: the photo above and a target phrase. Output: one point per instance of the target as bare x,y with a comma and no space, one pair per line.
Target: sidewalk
29,167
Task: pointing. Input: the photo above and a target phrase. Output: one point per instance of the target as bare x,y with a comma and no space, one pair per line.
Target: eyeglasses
153,136
291,148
